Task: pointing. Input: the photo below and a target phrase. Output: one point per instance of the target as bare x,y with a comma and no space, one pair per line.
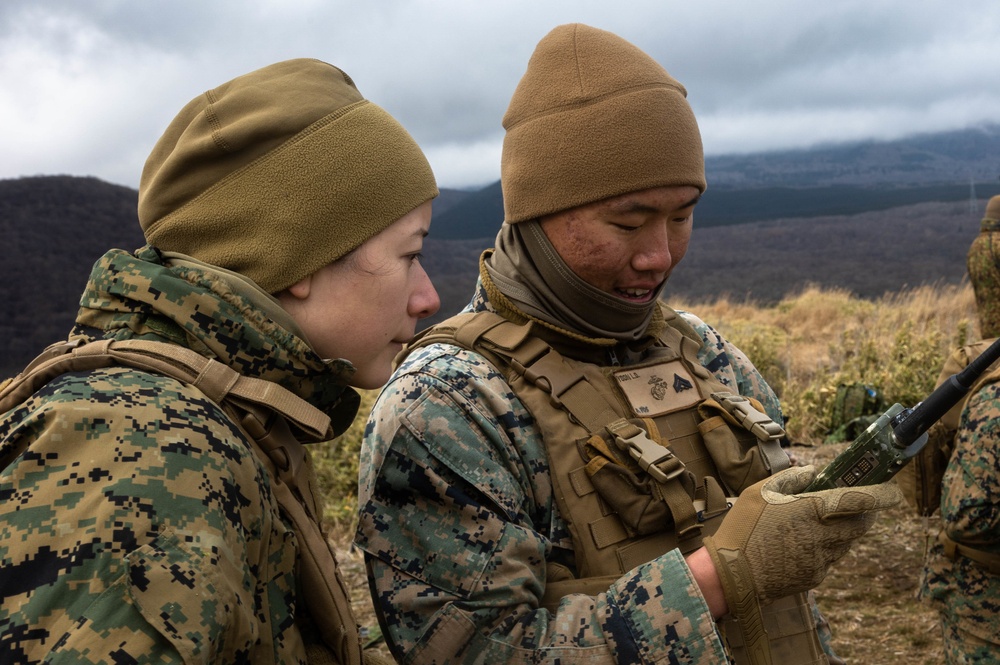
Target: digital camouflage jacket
964,591
458,519
137,525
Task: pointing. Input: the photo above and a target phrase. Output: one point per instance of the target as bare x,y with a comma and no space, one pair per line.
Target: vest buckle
656,460
749,418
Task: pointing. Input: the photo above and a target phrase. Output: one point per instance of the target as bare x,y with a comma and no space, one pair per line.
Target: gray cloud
88,87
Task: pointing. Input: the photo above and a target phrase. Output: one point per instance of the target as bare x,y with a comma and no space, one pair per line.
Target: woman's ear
294,297
300,289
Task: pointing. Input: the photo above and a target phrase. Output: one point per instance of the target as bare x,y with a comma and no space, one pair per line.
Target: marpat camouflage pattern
965,593
136,523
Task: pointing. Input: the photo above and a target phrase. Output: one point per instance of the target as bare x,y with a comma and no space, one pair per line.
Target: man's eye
416,257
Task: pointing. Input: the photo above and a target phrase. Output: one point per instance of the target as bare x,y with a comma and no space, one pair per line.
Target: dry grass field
805,345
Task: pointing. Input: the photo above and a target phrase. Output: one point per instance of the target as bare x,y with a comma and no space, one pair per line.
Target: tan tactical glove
775,543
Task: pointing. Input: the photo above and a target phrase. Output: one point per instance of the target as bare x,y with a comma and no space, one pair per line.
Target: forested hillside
52,230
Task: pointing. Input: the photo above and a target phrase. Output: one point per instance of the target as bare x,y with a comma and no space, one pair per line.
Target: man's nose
654,252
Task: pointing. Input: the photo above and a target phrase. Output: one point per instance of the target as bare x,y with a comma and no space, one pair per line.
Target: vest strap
607,530
953,550
754,421
217,381
758,423
655,459
711,501
567,389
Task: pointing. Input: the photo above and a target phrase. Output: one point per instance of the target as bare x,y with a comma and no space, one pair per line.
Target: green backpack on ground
855,407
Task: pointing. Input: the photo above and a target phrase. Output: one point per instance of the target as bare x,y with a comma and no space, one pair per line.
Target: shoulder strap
465,329
920,480
673,319
513,349
991,376
219,382
988,560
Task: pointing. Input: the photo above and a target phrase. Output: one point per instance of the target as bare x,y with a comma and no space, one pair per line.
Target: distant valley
871,218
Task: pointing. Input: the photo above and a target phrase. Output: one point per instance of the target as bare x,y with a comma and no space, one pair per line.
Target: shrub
808,344
336,464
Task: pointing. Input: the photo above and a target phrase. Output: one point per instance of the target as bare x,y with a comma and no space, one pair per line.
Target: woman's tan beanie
279,172
594,117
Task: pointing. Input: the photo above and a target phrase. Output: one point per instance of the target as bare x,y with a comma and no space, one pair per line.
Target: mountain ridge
850,177
761,240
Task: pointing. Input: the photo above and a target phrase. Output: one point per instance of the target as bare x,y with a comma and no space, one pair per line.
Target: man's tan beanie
594,117
279,172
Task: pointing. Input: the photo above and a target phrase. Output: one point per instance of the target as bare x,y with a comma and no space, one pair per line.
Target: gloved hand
775,542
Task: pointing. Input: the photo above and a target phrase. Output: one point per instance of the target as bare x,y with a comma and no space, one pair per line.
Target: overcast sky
89,85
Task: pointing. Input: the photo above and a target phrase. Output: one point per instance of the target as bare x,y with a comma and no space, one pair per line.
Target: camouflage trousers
964,648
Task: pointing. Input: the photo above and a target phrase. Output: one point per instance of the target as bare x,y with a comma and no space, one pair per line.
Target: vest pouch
791,634
741,440
640,479
920,480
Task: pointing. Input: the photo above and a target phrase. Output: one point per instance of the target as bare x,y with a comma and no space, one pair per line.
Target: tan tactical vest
644,459
264,412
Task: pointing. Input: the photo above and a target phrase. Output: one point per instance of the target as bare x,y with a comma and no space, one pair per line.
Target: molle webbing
511,345
263,411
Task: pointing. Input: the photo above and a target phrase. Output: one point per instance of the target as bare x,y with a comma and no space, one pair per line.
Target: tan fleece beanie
993,209
279,172
594,117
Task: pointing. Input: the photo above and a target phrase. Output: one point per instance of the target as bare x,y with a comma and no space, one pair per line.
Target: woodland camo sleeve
456,519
